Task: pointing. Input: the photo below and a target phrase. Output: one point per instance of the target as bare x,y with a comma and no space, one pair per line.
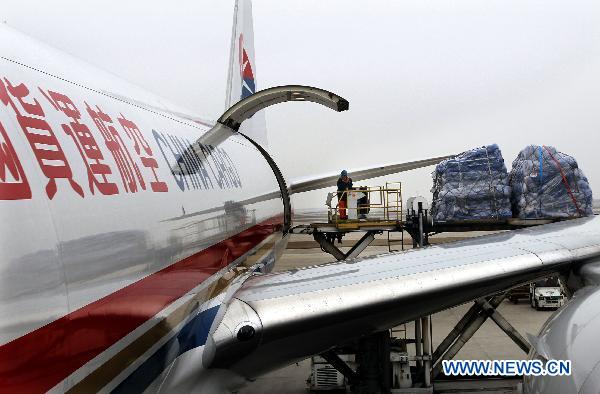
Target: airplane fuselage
106,252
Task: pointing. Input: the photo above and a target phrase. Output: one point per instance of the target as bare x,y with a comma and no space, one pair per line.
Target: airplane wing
318,182
327,180
280,318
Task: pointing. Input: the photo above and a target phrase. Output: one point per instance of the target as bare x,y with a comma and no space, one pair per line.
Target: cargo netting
472,185
548,184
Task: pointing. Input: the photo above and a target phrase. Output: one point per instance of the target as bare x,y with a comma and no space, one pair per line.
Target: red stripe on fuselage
41,359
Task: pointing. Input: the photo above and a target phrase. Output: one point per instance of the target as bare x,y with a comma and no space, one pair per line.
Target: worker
344,184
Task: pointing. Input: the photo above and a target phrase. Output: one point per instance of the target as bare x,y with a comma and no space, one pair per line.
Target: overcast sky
424,78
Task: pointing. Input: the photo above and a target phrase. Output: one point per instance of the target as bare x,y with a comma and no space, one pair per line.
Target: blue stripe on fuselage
192,335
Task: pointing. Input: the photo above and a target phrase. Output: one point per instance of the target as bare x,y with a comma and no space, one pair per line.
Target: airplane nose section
237,335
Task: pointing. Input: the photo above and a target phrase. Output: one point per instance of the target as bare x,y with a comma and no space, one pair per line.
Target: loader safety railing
366,204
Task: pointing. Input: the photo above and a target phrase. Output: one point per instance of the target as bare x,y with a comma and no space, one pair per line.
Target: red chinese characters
144,152
97,171
39,134
128,169
51,158
13,182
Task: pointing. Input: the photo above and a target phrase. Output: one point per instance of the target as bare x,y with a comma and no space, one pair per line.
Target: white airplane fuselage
106,254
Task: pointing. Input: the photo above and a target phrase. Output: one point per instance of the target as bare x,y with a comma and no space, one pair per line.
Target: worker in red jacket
344,183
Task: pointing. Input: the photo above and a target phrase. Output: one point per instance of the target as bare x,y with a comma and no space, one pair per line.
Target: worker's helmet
344,173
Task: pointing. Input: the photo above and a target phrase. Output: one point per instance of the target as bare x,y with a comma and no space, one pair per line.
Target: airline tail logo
247,75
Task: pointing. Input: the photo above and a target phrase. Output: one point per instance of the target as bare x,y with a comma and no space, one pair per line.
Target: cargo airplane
137,242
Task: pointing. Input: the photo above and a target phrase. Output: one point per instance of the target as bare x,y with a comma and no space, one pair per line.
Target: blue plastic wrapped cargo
472,185
548,184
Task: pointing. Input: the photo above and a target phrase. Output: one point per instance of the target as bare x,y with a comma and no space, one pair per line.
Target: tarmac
488,343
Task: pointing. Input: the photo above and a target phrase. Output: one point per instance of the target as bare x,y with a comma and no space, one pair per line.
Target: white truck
546,293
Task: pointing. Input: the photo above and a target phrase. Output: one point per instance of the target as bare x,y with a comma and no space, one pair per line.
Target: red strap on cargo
564,178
